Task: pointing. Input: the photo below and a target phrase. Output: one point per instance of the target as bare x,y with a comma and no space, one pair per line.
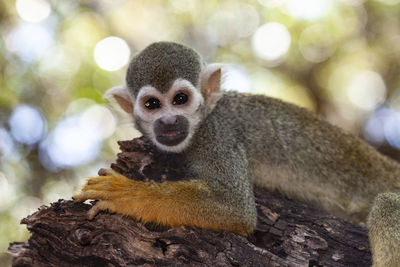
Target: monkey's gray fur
160,64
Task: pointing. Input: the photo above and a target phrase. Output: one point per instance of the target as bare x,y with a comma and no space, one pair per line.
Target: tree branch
287,234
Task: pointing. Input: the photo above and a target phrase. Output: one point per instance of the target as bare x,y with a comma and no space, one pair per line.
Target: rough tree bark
287,234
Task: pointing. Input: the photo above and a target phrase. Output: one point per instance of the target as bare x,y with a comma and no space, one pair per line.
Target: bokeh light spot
27,125
366,90
271,3
236,79
271,41
6,143
33,10
100,118
389,2
316,44
233,22
7,191
391,129
59,61
77,139
309,9
73,143
29,41
112,53
373,130
352,2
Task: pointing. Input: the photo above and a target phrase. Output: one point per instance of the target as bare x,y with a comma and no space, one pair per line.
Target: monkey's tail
384,230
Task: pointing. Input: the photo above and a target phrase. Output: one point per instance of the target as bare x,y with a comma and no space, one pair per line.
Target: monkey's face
169,119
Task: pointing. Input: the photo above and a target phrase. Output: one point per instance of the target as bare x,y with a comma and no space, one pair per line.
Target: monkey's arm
170,203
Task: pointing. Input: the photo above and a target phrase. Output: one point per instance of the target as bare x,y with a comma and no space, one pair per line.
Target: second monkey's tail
384,230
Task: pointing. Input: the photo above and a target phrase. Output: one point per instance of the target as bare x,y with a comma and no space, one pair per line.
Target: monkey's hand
169,203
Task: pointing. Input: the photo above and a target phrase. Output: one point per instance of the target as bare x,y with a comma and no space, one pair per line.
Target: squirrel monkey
232,141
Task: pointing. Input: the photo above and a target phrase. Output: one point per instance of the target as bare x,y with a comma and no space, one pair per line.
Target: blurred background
338,58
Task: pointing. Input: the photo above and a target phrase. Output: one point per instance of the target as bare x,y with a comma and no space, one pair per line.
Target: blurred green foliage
339,58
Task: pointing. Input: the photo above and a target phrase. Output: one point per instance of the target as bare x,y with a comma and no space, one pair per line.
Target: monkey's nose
169,120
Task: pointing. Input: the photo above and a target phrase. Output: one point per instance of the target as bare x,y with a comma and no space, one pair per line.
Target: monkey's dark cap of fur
160,64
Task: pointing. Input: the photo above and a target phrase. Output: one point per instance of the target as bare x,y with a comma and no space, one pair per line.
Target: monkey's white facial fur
169,119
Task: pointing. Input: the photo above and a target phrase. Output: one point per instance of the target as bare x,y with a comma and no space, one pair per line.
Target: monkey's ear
120,94
210,81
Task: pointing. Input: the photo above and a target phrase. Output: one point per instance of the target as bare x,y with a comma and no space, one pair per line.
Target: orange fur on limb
169,203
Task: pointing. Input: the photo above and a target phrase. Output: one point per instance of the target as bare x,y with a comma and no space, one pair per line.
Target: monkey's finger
100,206
103,172
112,177
106,186
95,194
98,179
80,197
110,172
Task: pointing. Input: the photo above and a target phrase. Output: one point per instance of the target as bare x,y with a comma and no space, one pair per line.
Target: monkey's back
291,150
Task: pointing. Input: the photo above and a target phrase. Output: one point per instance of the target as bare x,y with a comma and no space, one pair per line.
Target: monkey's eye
152,103
180,99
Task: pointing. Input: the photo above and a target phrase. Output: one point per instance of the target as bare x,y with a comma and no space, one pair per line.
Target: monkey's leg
384,230
169,203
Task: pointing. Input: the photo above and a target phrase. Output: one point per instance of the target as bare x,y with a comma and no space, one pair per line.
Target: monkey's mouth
171,134
171,138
